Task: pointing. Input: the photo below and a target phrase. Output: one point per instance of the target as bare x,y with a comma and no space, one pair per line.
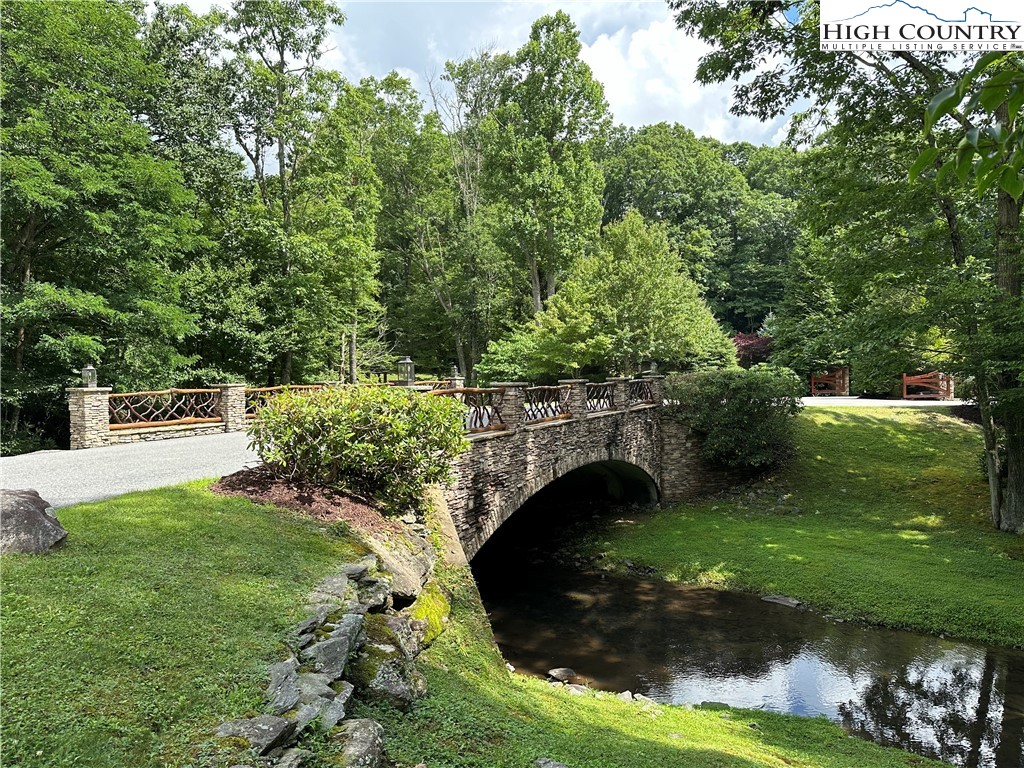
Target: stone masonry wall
502,470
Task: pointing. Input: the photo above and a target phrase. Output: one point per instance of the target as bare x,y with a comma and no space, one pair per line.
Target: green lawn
152,624
883,518
479,716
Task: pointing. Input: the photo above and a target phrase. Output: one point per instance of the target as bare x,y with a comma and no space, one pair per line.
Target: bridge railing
256,397
483,407
165,407
601,397
547,403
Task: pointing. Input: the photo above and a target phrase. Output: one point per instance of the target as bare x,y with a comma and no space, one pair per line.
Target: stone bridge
523,438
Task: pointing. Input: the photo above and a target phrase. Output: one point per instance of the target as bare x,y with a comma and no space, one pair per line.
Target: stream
958,702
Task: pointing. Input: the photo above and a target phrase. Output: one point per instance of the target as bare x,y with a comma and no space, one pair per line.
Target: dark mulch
314,501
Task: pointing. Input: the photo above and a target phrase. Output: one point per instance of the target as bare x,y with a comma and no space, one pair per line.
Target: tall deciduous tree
538,161
92,215
627,303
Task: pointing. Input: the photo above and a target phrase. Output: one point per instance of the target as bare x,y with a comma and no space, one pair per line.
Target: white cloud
646,65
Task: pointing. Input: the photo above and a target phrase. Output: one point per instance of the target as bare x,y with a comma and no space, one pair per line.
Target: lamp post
89,376
406,372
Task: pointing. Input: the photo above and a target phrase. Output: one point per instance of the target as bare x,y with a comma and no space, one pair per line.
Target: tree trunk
992,463
286,367
353,376
1011,516
538,301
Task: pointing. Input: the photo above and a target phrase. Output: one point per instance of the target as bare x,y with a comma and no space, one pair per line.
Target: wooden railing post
620,396
89,409
577,397
232,406
513,404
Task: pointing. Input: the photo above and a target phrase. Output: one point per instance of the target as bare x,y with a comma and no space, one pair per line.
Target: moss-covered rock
383,671
433,608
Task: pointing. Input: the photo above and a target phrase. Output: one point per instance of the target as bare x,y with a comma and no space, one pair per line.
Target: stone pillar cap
574,381
88,389
510,384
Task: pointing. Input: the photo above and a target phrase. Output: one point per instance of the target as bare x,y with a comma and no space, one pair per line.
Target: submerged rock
562,674
789,602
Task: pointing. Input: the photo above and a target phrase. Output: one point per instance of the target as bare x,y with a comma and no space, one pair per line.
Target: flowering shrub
380,443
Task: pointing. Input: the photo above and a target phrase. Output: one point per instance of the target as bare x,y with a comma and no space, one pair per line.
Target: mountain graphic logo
904,4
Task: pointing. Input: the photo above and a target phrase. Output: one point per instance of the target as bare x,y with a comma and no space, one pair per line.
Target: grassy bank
479,715
883,518
151,625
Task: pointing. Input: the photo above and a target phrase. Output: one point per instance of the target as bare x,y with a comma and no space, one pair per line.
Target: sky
646,65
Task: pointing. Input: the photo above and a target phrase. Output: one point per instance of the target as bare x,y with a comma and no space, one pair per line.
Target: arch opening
569,503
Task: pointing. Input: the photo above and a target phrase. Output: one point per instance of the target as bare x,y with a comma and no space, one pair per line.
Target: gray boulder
293,758
330,656
332,589
789,602
562,674
375,594
28,523
408,558
264,733
363,744
547,762
283,690
314,686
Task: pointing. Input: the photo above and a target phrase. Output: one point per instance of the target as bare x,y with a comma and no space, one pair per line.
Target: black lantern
89,376
406,372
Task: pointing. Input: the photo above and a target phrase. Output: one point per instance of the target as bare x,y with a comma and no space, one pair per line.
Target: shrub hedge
744,416
385,444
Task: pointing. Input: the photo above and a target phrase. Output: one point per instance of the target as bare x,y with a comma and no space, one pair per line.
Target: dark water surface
959,702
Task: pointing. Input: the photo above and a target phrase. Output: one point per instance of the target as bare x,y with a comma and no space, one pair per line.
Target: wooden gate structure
835,383
928,386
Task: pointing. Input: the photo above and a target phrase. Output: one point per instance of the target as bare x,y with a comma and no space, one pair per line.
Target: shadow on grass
155,621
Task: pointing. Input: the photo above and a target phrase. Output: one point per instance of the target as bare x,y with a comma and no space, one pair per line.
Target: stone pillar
232,406
577,397
657,388
89,408
456,382
620,398
513,410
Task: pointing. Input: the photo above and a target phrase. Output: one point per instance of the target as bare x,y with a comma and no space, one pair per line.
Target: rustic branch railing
484,406
547,403
639,391
928,386
601,397
163,408
257,396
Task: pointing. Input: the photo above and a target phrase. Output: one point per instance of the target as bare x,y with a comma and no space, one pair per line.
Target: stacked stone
232,406
352,642
89,408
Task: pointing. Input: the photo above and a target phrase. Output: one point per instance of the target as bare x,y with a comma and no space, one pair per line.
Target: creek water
959,702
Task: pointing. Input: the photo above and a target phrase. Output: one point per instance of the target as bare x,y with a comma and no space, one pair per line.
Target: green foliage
881,518
92,216
382,443
152,624
745,417
627,303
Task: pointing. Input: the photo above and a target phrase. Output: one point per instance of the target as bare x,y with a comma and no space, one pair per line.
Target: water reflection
957,702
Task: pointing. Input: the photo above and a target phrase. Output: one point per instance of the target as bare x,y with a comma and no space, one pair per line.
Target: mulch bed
314,501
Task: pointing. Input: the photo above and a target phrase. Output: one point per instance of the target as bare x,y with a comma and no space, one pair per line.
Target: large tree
93,215
771,50
627,303
538,161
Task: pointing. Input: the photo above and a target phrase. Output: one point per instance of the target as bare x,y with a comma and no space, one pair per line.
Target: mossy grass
882,517
155,622
477,714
